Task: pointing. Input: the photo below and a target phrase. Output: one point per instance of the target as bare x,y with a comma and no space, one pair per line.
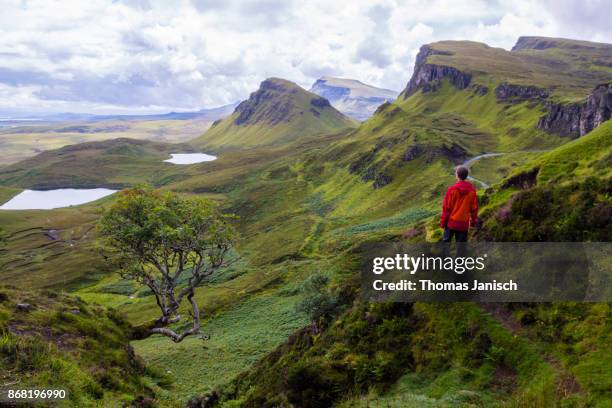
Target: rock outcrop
259,106
578,119
519,93
455,153
428,77
524,180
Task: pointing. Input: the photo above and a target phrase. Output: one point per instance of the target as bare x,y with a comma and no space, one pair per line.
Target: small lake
190,158
50,199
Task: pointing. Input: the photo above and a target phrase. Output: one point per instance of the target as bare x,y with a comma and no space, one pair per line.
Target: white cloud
154,55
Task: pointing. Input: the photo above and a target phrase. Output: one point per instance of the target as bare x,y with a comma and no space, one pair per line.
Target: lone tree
168,243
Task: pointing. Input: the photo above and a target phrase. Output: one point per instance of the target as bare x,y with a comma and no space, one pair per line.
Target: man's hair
462,172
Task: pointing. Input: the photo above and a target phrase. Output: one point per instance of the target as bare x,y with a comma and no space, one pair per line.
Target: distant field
20,142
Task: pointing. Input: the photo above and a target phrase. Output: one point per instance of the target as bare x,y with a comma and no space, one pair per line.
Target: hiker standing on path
460,208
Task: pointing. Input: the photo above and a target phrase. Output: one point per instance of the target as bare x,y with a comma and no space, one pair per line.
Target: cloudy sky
154,56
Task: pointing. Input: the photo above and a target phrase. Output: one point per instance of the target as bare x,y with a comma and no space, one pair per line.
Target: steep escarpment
260,109
544,43
279,111
549,74
428,76
505,92
578,119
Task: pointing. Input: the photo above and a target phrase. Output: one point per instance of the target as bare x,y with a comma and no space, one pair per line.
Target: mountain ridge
575,95
278,111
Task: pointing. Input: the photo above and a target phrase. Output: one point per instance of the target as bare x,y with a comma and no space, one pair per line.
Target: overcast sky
154,56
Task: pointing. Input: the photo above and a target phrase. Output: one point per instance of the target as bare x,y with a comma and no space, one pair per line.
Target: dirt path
474,159
567,384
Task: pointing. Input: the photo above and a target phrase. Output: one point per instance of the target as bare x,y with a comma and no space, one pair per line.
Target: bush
319,303
573,212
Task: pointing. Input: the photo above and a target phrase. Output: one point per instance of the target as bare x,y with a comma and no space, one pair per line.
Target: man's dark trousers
460,236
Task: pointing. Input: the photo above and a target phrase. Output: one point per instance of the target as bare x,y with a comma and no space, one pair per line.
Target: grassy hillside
459,355
563,195
308,203
20,142
112,163
55,341
278,112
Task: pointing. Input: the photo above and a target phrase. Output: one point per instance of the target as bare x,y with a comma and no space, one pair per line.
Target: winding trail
469,162
474,159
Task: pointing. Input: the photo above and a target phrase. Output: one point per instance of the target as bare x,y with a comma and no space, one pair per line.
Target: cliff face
267,104
568,120
428,76
513,92
575,120
278,111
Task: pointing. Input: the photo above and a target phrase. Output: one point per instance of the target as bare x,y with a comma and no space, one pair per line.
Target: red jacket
460,207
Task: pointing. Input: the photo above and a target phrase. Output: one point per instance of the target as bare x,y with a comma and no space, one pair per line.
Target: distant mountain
279,111
352,97
211,114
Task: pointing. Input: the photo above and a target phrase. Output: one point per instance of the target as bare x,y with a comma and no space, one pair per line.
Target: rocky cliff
575,120
278,111
267,104
512,92
429,76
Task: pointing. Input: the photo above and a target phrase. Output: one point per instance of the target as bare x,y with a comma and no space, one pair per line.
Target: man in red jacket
460,208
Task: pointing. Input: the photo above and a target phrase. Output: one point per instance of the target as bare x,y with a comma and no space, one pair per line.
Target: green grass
21,142
492,170
114,163
63,343
64,259
306,200
238,338
414,391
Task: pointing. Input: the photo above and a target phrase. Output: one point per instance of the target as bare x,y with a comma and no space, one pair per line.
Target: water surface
190,158
50,199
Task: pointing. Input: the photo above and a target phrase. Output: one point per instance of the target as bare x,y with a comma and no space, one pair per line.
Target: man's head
461,172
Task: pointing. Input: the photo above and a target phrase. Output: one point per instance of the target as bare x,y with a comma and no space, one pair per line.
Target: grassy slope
447,374
21,142
571,195
63,343
113,163
301,208
492,170
300,119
